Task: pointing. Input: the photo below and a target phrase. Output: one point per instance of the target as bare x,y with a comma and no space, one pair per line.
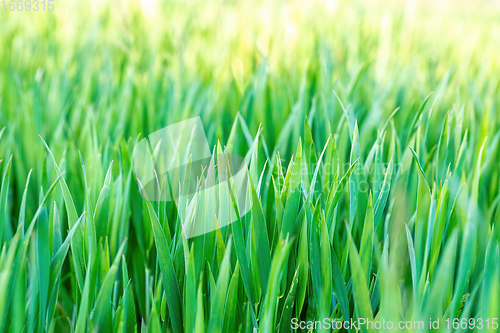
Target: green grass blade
167,269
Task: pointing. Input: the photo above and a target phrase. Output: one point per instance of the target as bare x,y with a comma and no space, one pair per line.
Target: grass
372,135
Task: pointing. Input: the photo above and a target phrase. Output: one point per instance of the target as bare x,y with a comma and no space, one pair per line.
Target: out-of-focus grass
396,220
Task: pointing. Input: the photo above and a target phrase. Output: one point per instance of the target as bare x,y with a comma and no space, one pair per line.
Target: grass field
371,133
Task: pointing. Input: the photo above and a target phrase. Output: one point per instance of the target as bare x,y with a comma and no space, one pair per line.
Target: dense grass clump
371,134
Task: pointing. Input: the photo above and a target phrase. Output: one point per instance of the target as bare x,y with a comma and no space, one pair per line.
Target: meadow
371,133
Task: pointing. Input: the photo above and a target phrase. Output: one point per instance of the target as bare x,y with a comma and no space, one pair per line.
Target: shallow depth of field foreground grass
372,137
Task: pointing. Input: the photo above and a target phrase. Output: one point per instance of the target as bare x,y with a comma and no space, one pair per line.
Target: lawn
369,136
